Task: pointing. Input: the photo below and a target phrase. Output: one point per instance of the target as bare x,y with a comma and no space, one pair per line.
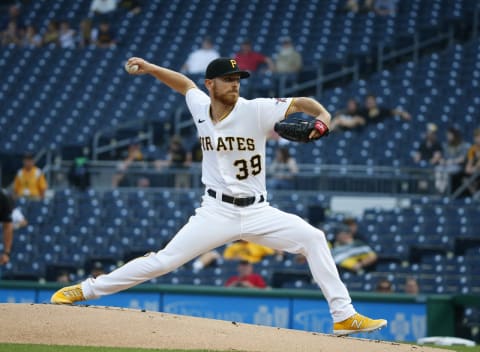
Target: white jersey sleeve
196,101
272,110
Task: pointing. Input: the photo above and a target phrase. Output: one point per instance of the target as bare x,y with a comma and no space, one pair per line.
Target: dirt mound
117,327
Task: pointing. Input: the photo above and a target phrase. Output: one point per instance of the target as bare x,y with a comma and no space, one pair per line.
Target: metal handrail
459,191
143,136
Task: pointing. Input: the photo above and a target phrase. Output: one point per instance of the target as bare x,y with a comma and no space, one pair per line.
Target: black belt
241,202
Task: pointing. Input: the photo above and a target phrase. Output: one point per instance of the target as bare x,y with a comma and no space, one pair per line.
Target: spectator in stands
206,260
430,151
199,59
383,7
132,6
66,35
30,181
349,117
250,60
384,285
288,60
104,36
52,34
79,173
177,161
373,113
248,251
195,155
31,39
473,161
353,225
102,7
11,35
411,286
122,178
14,15
6,209
351,254
63,277
282,170
246,278
85,34
450,171
356,6
97,269
239,250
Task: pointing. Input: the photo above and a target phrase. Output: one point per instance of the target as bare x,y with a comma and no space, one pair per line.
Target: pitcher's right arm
175,80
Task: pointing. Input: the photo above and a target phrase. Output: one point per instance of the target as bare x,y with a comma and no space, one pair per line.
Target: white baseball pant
216,223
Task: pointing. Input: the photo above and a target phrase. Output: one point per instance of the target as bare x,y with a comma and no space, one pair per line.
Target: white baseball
131,68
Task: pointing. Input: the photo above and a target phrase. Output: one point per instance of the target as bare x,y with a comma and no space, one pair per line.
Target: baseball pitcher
233,132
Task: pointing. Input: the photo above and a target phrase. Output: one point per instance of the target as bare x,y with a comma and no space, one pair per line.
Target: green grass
10,347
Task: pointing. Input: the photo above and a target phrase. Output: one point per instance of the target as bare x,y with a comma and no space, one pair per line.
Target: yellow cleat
357,323
68,295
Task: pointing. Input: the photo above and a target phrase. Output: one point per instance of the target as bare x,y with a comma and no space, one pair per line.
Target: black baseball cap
224,66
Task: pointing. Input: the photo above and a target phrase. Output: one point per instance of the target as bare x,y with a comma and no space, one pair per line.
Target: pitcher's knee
164,263
317,238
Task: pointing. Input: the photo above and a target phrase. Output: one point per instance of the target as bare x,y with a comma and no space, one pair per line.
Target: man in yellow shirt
249,251
351,254
30,181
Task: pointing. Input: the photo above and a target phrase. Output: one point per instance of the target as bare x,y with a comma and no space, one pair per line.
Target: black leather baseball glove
299,130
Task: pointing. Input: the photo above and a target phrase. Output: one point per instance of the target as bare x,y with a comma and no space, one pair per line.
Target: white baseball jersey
234,149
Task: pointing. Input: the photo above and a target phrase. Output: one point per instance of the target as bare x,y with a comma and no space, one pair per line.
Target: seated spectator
30,181
411,286
206,260
177,159
430,151
195,155
199,59
353,225
473,161
288,60
66,35
349,117
103,7
97,269
52,34
282,170
132,6
79,173
351,254
63,277
31,39
384,285
246,278
104,36
248,251
85,35
384,7
250,60
14,15
11,35
373,113
359,6
450,171
121,178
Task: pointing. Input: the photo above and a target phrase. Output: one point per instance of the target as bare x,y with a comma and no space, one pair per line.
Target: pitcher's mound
117,327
